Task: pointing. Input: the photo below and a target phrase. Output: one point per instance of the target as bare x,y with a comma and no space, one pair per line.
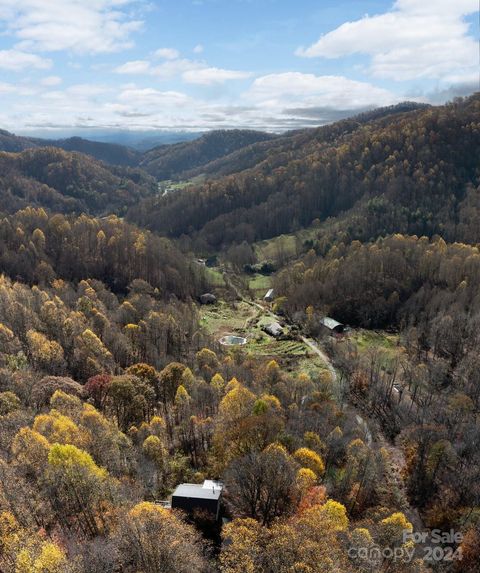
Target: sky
208,64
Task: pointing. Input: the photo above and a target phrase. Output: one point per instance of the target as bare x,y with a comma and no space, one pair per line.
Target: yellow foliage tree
50,559
307,458
306,479
60,429
154,539
242,536
217,383
45,354
30,450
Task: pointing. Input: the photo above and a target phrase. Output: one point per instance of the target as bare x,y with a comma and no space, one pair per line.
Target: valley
164,329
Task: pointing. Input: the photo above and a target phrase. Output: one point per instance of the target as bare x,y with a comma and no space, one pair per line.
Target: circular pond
231,340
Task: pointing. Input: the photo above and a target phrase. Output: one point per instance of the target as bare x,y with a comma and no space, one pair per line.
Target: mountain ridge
408,171
68,182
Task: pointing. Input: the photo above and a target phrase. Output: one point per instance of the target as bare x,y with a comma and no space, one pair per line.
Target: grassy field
169,186
223,318
271,249
366,339
387,344
214,277
247,320
311,365
283,246
259,284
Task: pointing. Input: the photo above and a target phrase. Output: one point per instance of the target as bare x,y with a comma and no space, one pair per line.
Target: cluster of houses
275,329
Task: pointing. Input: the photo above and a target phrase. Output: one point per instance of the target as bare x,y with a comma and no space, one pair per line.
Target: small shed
273,329
269,296
333,326
207,496
208,298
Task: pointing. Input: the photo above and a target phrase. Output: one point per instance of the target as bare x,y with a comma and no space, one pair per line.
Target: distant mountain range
177,155
138,140
112,153
165,161
409,169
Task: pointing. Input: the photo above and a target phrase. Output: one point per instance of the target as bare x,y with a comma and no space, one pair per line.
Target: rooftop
330,323
274,327
208,490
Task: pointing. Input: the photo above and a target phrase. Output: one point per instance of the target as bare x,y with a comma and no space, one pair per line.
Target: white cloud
134,67
16,61
77,96
210,76
21,90
167,53
198,49
173,68
34,105
168,69
191,71
149,97
275,101
6,88
82,26
87,91
415,39
51,81
290,89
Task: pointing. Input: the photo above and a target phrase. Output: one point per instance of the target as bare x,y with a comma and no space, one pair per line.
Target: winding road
319,352
396,454
308,342
314,347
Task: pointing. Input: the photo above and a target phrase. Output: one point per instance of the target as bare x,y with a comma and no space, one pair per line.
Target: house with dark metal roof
332,325
191,497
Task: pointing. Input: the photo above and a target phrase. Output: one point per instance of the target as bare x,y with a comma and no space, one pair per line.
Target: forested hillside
180,160
170,161
98,422
117,385
428,291
300,142
14,143
68,182
38,248
414,172
111,153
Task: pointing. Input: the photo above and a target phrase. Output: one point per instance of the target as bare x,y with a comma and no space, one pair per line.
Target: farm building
333,326
273,329
269,296
207,496
208,298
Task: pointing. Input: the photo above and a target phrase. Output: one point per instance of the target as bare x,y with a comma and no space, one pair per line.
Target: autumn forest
334,445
